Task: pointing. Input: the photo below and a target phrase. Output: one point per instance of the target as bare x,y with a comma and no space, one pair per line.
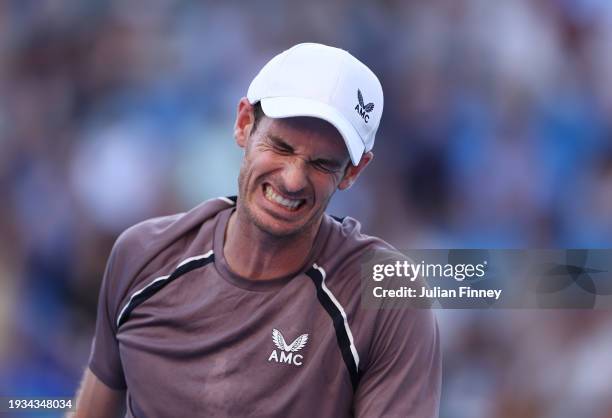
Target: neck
252,253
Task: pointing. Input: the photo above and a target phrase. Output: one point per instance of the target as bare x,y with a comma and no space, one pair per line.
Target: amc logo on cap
363,109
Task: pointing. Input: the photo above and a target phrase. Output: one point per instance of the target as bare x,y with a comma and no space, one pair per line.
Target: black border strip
152,288
344,342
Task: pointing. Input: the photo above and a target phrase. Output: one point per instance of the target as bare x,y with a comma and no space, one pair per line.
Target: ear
353,171
245,117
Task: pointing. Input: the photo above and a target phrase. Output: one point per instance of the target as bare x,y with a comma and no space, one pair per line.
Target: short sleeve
104,360
404,373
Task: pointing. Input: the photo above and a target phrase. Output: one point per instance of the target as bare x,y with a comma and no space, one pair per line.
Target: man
251,306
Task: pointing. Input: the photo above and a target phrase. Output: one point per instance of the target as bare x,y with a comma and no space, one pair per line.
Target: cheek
254,165
325,185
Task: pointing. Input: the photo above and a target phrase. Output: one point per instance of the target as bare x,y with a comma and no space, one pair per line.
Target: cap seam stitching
340,73
280,69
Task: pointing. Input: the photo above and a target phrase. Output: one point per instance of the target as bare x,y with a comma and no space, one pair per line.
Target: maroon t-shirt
187,337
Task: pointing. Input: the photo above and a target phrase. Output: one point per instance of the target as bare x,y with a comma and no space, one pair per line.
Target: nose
294,176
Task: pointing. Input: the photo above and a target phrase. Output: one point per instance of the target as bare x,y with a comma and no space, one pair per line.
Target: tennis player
249,306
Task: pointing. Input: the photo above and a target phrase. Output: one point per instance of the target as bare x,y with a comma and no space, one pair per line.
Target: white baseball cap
324,82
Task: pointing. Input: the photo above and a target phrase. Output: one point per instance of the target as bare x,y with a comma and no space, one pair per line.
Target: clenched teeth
274,197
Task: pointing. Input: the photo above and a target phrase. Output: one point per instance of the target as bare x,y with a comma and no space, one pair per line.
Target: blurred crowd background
496,133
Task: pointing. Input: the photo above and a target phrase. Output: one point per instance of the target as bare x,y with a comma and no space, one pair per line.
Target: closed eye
322,164
326,165
280,146
282,149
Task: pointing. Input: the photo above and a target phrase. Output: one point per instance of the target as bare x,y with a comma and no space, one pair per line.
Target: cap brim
286,107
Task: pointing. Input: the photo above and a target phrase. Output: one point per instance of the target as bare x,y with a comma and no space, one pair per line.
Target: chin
276,228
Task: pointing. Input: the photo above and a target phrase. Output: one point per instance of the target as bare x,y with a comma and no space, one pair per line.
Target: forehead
315,135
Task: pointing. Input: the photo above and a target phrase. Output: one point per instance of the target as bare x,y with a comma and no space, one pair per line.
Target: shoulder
347,248
155,233
348,258
151,246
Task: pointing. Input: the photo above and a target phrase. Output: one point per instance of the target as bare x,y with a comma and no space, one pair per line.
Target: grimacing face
290,171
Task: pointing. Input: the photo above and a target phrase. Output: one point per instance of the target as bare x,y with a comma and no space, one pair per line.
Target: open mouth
286,203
